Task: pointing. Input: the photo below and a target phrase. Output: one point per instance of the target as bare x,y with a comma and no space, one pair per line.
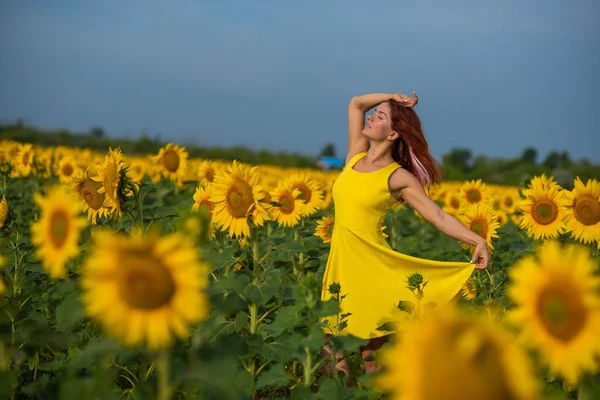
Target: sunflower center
145,283
59,228
67,169
480,227
305,192
171,160
508,201
287,203
26,158
210,174
474,196
587,210
562,312
89,192
544,211
239,199
455,203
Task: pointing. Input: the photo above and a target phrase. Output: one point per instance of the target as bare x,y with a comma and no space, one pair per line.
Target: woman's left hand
406,101
480,255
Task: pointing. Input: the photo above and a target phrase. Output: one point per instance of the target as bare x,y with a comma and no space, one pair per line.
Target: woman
388,161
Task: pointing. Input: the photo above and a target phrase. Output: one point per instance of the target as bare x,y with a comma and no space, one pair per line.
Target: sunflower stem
139,201
162,370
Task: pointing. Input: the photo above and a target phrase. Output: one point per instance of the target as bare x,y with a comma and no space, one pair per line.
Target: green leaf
274,376
96,349
253,294
69,313
240,320
329,307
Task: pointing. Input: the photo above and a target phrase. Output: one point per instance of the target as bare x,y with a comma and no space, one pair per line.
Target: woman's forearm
452,227
368,101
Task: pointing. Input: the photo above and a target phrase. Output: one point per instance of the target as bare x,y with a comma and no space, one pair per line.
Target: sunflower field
167,277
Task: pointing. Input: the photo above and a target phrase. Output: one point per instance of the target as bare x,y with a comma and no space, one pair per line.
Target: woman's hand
480,255
405,100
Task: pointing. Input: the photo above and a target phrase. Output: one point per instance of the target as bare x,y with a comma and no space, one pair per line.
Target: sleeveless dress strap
355,159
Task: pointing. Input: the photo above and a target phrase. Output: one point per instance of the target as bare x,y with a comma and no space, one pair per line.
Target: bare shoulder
399,180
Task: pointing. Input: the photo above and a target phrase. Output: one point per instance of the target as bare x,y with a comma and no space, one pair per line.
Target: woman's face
379,124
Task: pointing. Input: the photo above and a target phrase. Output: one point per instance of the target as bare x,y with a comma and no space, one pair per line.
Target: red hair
410,149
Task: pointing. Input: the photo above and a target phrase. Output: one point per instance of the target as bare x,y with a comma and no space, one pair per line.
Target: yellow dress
372,275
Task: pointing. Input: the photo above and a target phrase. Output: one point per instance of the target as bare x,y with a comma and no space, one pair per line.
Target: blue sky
494,76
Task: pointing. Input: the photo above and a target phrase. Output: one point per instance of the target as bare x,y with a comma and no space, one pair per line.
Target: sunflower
480,219
56,233
501,217
144,289
310,192
87,190
236,196
110,175
544,182
67,169
453,203
206,172
172,161
450,355
469,289
42,164
290,207
202,202
136,171
583,211
3,212
23,160
543,211
382,230
324,229
474,192
558,308
508,200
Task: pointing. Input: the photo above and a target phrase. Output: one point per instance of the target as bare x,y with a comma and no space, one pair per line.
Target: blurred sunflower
23,160
583,211
202,202
324,229
501,217
172,161
508,200
558,308
136,170
480,219
382,229
474,192
3,211
67,169
290,207
144,289
110,175
42,164
206,172
236,196
56,233
450,355
310,192
452,203
87,190
543,211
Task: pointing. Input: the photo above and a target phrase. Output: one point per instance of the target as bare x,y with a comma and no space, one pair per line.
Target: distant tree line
458,164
